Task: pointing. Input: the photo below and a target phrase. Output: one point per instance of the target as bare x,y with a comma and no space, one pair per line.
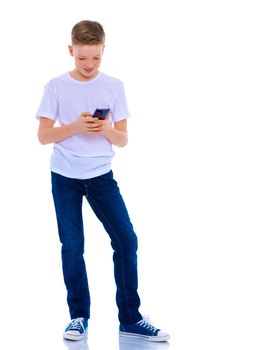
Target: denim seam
116,236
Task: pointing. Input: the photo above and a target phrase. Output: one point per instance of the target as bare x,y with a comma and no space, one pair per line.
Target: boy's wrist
116,137
108,130
71,129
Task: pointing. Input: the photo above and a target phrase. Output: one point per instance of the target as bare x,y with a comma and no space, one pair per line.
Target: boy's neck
76,75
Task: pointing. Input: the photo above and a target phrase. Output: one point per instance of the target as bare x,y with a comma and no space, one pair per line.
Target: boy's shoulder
109,78
53,82
62,77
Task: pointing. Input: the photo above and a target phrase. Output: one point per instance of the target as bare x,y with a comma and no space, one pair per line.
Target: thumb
86,114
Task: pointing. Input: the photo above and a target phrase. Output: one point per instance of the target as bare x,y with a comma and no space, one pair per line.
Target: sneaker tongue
77,323
147,319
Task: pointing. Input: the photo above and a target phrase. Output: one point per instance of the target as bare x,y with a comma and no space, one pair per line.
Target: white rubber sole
69,336
156,338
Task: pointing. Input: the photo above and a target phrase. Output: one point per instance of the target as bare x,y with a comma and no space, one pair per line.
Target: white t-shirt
82,156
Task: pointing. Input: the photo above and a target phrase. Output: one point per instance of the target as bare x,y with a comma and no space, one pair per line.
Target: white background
200,174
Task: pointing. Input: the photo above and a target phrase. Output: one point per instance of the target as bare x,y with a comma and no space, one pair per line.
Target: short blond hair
88,33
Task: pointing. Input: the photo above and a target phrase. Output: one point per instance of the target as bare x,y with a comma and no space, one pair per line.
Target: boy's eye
82,59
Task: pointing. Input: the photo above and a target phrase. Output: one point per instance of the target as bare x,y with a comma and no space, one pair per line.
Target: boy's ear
71,50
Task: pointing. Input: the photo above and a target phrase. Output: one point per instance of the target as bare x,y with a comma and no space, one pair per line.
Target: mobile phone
101,113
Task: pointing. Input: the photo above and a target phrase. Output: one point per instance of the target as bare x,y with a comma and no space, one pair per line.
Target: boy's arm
117,134
48,133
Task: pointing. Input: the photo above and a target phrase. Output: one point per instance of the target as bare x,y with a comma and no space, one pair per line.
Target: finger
93,120
95,129
85,114
93,126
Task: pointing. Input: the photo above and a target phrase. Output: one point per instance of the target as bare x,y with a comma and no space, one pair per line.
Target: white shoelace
147,325
77,324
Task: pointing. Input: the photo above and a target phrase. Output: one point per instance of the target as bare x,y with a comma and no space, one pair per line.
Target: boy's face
87,60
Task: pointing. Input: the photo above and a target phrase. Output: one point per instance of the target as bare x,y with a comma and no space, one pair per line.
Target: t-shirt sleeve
49,104
120,110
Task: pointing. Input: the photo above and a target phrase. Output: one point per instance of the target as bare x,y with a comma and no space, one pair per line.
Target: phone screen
101,113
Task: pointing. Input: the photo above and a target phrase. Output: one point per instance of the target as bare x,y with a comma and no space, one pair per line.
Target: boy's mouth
88,70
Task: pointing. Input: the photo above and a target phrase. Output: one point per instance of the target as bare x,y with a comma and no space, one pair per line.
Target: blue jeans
103,195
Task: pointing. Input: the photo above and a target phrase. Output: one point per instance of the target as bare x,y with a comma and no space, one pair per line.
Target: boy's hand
100,127
87,125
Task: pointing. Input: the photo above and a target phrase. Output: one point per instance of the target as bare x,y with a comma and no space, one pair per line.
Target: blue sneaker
76,329
143,330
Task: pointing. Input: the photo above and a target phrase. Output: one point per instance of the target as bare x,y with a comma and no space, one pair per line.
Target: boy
81,166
